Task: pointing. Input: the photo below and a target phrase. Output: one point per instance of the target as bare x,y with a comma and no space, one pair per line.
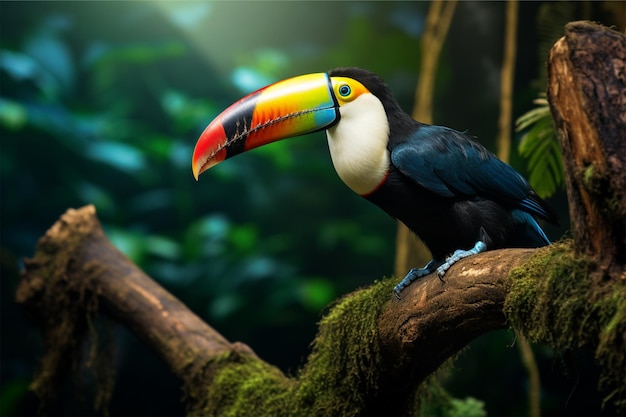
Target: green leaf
54,58
120,155
531,117
468,407
244,237
11,394
540,147
163,247
131,244
20,66
12,114
316,293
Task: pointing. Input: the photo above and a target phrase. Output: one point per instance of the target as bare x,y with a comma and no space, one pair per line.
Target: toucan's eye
347,89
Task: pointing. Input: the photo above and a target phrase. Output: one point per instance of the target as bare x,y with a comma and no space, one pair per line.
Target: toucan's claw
413,275
440,267
459,254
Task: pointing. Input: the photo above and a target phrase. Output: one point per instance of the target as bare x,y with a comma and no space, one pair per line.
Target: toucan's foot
414,274
440,267
459,254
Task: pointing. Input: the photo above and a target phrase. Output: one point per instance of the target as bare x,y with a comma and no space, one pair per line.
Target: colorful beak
288,108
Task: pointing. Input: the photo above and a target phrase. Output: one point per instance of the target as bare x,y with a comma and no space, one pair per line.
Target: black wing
451,164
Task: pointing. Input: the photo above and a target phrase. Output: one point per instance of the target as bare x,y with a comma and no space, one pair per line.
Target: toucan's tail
529,234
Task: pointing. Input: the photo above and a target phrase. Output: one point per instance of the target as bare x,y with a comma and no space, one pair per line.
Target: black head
399,121
373,82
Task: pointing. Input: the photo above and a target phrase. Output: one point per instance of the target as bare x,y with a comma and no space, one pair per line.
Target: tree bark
76,273
587,95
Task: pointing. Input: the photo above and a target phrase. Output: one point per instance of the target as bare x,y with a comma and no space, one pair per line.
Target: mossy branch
372,351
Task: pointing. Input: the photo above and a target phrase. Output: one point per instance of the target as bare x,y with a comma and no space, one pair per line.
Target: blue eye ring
344,90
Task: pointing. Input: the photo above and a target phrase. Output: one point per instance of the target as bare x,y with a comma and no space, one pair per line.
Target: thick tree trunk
587,95
373,351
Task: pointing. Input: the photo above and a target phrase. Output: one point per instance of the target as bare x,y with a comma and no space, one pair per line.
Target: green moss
240,385
340,373
549,296
598,183
554,300
590,177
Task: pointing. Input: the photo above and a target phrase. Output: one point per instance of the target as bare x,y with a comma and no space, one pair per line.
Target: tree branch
75,255
433,320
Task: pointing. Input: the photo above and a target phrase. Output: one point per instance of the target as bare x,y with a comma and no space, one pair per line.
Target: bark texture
587,95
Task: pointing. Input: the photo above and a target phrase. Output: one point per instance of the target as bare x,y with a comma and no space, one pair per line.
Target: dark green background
102,102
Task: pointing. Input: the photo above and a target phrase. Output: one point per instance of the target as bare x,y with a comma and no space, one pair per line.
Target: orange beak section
288,108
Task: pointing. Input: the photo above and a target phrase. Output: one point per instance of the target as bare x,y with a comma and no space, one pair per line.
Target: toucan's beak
285,109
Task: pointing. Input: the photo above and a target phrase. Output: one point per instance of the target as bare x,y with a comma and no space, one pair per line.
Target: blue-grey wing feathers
451,164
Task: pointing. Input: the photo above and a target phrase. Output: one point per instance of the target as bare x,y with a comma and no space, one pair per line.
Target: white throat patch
358,144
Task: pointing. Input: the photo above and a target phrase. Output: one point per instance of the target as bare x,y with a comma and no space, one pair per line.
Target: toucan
447,188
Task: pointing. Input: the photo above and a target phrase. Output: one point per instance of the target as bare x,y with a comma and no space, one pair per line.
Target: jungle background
102,102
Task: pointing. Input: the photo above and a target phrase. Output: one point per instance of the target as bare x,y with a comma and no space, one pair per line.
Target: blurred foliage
540,146
101,103
467,407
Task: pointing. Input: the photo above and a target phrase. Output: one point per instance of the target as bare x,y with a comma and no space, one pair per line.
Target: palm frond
540,147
